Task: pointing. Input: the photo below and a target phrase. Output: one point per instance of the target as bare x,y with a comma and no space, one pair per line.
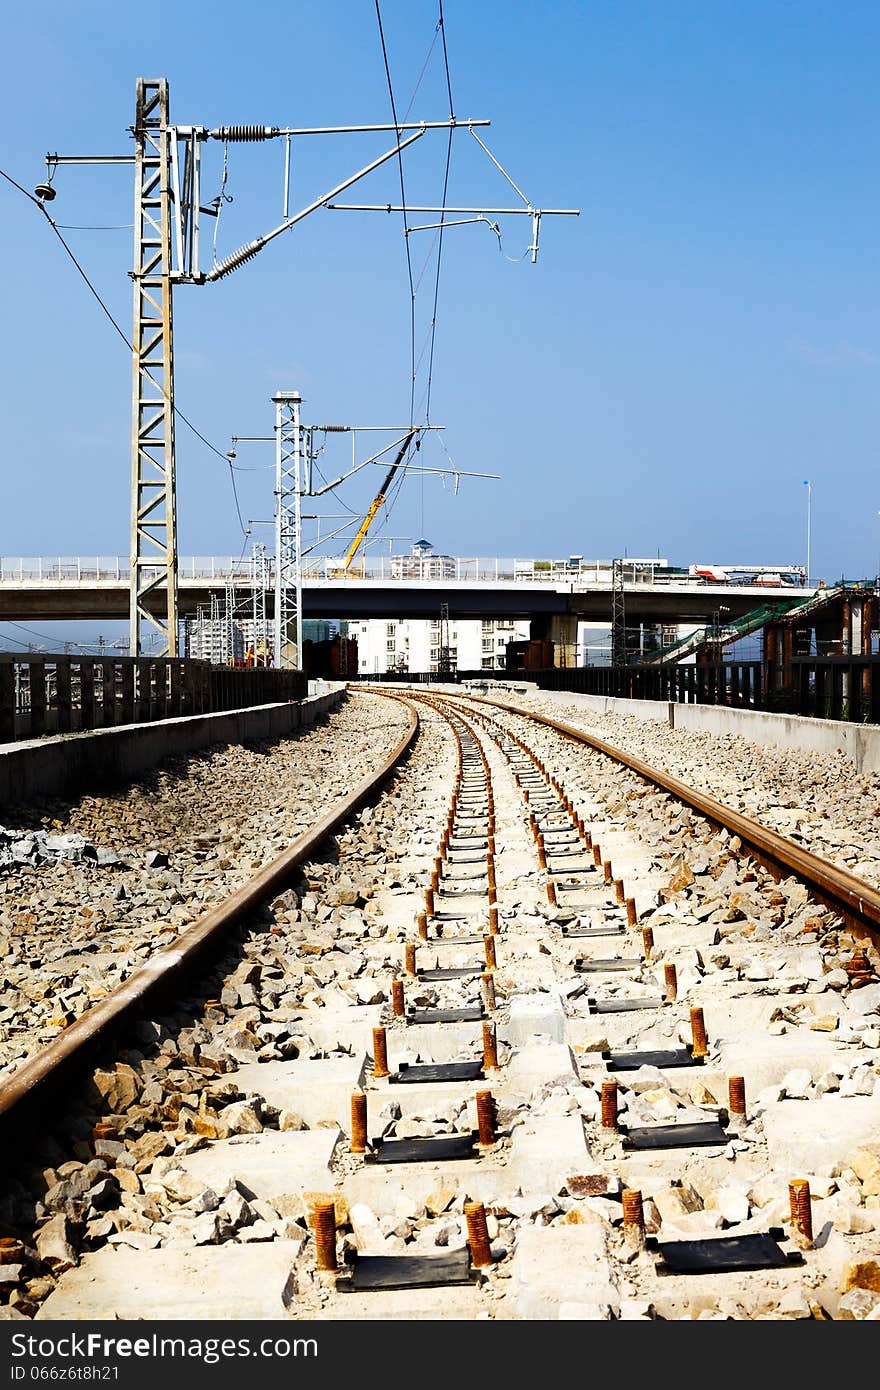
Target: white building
422,563
415,644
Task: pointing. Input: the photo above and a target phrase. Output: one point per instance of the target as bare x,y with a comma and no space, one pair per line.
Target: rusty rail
856,901
32,1085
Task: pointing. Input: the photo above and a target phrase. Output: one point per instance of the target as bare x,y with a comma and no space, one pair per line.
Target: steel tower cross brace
288,529
153,481
618,615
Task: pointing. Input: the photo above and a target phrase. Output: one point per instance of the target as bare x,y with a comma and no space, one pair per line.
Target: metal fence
837,687
65,694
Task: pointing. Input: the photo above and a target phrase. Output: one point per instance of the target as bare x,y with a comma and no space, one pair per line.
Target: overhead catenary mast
169,206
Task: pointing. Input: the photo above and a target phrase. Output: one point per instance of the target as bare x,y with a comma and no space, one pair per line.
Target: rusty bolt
429,902
526,795
490,846
859,969
478,1234
397,998
551,893
489,946
619,891
486,1117
542,853
533,826
409,955
490,1046
670,977
647,936
736,1095
422,924
633,1216
438,866
358,1122
801,1210
597,854
435,881
380,1052
700,1045
487,989
490,872
609,1105
492,894
493,919
325,1236
608,871
490,824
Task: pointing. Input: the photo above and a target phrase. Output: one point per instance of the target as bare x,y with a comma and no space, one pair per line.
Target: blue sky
685,353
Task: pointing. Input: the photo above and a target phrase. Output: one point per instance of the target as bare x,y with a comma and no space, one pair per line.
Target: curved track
528,1040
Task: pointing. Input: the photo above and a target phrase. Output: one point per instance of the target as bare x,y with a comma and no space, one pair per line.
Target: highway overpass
96,588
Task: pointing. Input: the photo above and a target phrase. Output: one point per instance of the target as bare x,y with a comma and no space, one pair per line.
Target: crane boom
377,503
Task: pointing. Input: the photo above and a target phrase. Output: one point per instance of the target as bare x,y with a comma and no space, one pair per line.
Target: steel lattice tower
618,615
153,483
288,527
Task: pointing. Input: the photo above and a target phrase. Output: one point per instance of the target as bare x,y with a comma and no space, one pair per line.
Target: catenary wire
122,334
412,292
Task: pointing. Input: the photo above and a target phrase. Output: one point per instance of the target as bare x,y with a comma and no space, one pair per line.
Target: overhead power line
124,336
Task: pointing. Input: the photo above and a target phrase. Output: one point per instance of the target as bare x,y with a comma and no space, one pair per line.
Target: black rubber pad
443,1149
631,1061
446,1015
438,1071
758,1250
703,1134
372,1272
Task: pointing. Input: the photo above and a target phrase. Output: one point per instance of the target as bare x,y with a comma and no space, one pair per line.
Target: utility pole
444,664
294,454
153,471
259,585
618,615
288,528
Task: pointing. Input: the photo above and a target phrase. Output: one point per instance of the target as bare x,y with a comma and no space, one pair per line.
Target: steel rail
31,1085
857,901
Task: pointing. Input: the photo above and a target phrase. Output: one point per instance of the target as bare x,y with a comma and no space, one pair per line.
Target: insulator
245,132
333,429
244,253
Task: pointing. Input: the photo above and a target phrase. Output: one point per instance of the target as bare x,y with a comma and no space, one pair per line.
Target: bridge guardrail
223,568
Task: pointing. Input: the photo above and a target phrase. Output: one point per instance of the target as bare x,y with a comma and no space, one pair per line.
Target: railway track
516,1032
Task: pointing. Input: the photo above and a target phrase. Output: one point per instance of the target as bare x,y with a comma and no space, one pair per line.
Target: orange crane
376,503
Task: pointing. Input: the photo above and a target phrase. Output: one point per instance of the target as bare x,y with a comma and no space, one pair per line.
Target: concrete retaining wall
651,711
860,742
67,764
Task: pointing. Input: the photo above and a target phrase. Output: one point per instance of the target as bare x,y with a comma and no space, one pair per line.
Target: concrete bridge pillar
561,630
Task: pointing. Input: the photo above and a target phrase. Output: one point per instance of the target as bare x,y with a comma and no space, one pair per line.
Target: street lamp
809,486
